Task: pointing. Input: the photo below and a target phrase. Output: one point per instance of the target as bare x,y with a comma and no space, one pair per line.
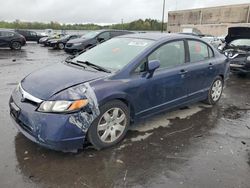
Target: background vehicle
60,43
91,39
237,48
96,95
11,39
47,32
29,35
45,40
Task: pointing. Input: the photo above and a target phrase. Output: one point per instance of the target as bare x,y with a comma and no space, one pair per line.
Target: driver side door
166,88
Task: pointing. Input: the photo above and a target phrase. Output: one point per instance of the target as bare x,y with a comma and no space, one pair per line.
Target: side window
104,36
33,33
73,37
7,34
198,51
170,54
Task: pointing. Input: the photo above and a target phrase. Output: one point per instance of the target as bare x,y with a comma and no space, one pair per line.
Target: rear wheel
215,91
110,126
16,45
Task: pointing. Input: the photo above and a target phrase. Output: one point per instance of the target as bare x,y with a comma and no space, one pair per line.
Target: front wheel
61,46
215,91
110,126
16,46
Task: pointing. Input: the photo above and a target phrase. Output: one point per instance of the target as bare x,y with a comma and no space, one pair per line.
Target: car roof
10,31
102,30
158,36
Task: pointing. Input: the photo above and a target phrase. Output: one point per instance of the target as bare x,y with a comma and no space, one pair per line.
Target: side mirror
222,40
152,66
220,47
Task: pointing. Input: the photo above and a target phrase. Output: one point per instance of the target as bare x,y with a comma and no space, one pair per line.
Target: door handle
210,65
183,71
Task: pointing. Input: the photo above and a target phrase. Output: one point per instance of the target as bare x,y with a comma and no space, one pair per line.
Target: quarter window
170,54
198,51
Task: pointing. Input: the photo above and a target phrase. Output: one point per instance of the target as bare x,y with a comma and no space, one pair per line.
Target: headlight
248,58
77,44
62,106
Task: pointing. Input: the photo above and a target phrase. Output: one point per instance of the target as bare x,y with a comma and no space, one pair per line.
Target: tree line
142,25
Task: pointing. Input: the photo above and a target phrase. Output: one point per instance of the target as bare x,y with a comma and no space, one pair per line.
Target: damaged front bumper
59,132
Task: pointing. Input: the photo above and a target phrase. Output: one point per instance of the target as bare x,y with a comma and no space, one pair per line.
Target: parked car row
76,43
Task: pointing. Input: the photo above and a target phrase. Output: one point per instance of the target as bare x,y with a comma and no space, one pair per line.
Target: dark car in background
61,42
91,39
11,39
29,35
96,95
237,48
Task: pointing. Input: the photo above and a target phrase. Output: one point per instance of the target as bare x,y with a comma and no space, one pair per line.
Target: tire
60,46
16,45
106,130
215,91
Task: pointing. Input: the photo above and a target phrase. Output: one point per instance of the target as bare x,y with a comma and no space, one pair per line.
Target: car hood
78,40
50,80
237,33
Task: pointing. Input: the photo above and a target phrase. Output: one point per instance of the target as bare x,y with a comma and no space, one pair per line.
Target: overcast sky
96,11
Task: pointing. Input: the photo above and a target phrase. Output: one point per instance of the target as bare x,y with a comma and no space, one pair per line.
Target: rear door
200,68
5,38
1,39
31,36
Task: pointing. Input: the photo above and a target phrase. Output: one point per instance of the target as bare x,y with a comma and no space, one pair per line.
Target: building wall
213,20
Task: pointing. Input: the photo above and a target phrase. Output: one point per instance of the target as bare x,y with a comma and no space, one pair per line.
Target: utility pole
163,15
122,23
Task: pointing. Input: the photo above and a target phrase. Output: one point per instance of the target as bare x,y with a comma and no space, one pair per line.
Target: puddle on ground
141,137
163,119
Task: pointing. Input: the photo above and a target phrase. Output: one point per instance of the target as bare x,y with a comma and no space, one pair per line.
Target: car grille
28,98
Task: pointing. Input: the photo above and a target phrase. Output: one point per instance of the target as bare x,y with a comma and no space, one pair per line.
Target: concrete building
212,20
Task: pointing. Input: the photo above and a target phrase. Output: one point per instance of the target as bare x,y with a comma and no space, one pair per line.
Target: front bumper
73,49
53,131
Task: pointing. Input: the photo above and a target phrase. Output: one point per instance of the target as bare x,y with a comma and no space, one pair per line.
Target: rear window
198,51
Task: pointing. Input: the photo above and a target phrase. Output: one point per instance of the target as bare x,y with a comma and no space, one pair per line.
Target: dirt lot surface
197,146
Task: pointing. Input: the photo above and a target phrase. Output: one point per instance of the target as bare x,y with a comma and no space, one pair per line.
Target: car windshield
115,53
90,34
65,37
240,42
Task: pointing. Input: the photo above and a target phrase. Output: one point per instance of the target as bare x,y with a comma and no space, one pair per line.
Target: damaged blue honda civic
95,96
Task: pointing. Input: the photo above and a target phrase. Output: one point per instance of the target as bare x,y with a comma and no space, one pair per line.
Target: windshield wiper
97,67
74,63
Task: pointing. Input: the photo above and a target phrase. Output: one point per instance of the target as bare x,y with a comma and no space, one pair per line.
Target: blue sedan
96,95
